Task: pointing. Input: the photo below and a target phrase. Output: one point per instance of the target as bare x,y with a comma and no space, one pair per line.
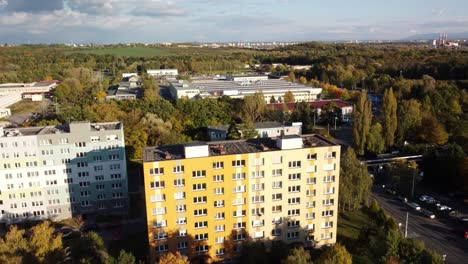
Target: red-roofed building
346,108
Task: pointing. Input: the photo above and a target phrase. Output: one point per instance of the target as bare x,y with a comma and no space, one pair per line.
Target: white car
426,198
415,206
443,208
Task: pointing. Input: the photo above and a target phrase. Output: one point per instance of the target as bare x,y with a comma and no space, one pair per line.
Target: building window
328,202
293,235
277,172
199,199
295,164
178,169
312,156
238,176
327,213
276,232
276,209
329,190
258,199
202,248
218,165
218,178
310,192
199,187
157,185
294,212
312,168
277,184
239,189
258,187
219,203
277,160
218,191
159,211
294,176
258,174
179,195
325,236
294,200
327,224
200,237
219,216
330,155
329,178
329,167
181,208
310,204
239,213
156,171
199,174
179,182
277,196
203,224
294,189
238,163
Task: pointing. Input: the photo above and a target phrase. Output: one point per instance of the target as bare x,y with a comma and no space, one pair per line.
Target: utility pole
412,186
406,225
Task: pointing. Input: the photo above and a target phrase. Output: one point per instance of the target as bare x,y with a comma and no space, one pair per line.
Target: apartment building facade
208,199
56,172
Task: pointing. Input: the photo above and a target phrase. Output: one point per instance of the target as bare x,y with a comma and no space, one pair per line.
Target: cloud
31,6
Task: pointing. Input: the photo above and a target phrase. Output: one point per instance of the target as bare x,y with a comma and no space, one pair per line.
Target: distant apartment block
206,199
56,172
163,72
241,86
264,129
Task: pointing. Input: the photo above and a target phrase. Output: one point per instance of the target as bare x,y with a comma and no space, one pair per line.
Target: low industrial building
241,86
35,87
129,88
163,72
264,129
346,108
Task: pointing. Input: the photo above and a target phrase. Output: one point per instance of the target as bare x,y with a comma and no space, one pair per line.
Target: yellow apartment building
206,199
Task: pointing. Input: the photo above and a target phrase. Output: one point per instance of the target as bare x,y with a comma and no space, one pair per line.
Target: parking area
442,233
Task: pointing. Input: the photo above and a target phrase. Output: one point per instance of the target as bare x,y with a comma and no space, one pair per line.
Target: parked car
390,191
403,199
415,206
426,198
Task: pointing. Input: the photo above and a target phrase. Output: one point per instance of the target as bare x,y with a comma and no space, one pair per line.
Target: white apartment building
56,172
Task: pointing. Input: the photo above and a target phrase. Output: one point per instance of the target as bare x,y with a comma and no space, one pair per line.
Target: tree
253,107
125,258
233,131
389,117
272,100
289,97
298,256
409,120
170,258
247,130
150,89
303,80
362,121
254,252
432,131
335,254
355,182
292,77
375,142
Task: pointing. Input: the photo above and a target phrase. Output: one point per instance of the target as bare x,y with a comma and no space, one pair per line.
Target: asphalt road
437,234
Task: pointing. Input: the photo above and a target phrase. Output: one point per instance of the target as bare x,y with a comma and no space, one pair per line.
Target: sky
152,21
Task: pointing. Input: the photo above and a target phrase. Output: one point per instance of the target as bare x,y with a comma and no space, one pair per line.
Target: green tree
254,252
233,131
362,118
253,107
292,77
170,258
298,256
409,120
272,100
375,142
303,80
354,183
125,258
335,254
289,97
432,131
247,130
389,117
150,89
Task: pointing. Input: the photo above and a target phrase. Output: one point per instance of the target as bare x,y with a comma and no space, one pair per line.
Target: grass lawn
27,107
349,225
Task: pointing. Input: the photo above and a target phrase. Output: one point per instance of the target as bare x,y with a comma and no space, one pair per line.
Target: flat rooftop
273,85
47,130
230,147
258,125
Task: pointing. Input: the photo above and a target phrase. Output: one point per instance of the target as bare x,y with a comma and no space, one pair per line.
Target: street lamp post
406,225
335,121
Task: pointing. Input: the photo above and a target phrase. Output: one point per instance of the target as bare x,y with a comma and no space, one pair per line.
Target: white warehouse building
238,87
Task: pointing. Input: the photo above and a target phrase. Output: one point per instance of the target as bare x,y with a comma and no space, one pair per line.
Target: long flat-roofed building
206,199
35,87
57,172
264,129
240,86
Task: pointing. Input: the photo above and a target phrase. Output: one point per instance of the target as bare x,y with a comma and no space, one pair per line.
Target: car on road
441,207
427,213
415,206
390,191
426,198
403,199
